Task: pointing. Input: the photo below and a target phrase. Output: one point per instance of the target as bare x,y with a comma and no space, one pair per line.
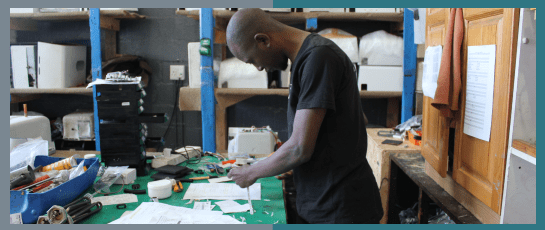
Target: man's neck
292,41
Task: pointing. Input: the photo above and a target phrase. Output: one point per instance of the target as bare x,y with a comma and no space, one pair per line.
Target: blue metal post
208,109
409,66
96,64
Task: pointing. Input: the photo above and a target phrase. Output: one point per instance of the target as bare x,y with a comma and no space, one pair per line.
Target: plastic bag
77,171
415,121
110,176
381,48
346,41
25,153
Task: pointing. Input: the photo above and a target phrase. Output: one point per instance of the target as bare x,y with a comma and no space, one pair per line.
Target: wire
177,91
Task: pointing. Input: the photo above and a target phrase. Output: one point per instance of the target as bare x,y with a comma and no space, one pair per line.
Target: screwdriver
203,178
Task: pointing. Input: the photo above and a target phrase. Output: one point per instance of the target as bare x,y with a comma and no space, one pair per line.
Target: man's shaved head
245,24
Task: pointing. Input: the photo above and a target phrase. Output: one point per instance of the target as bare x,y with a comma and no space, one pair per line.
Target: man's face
263,59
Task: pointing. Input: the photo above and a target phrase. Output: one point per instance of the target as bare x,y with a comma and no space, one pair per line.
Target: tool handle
133,191
184,180
40,187
34,182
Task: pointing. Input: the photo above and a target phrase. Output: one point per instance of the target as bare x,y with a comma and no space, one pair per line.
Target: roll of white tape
161,189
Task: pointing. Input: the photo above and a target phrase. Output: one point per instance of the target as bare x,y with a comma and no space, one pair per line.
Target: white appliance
21,128
380,78
234,73
255,143
23,59
61,65
78,126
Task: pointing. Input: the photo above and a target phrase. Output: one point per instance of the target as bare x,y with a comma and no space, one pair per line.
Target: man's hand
242,176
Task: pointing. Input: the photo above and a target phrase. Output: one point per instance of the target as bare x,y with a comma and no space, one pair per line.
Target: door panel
435,127
478,165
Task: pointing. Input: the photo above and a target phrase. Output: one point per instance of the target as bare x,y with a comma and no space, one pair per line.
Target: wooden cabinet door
479,165
435,127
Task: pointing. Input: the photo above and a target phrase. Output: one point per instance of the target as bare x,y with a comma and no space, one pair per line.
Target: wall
161,39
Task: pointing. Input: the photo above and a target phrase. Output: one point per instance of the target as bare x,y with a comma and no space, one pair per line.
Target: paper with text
481,63
230,206
432,64
221,191
202,205
150,213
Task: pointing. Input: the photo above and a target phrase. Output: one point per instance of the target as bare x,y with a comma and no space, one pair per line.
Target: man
327,141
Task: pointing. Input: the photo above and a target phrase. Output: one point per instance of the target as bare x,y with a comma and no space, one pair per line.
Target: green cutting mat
266,212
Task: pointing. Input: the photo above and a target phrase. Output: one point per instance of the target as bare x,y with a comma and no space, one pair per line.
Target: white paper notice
116,199
481,62
151,213
221,191
230,206
432,63
202,205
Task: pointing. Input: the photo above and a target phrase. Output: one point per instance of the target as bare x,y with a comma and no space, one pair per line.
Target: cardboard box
79,126
380,78
61,65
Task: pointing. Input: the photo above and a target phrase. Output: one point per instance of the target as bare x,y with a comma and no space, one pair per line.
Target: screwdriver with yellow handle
177,187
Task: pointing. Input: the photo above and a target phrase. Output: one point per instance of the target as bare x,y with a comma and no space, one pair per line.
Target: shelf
109,18
74,90
300,17
190,97
525,147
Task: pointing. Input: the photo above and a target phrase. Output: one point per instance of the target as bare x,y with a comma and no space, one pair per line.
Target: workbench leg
393,212
392,114
221,129
423,207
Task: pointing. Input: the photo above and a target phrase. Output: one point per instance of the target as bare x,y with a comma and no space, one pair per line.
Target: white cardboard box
128,176
23,61
381,78
61,66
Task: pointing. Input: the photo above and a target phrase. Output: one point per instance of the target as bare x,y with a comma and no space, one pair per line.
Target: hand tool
211,168
178,187
21,177
184,180
203,178
39,179
134,191
250,201
219,169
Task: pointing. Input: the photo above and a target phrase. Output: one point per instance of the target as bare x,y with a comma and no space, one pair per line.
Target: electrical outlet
177,72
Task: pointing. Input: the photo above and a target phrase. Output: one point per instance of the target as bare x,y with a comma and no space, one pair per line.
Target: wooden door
435,127
479,166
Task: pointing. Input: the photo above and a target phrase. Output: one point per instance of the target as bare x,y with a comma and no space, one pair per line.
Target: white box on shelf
380,48
376,10
24,10
325,10
259,143
276,9
21,128
234,73
60,10
78,126
23,61
380,78
61,65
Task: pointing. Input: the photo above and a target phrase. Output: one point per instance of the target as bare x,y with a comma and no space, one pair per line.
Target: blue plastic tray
33,205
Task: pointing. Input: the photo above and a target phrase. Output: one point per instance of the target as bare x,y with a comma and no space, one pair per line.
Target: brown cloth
447,94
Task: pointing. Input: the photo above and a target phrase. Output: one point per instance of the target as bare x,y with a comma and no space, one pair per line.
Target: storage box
381,78
79,126
127,177
325,10
381,48
236,74
261,143
21,128
33,205
61,65
23,61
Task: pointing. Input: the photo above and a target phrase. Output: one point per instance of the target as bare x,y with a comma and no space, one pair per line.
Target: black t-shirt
336,185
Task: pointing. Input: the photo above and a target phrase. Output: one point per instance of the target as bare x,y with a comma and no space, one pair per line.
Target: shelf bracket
96,64
312,24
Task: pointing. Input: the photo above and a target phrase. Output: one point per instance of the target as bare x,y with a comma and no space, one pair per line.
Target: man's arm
297,150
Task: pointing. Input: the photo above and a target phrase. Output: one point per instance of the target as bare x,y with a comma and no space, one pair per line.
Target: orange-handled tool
178,187
40,187
33,182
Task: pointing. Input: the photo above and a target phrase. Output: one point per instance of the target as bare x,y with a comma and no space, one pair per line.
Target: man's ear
263,40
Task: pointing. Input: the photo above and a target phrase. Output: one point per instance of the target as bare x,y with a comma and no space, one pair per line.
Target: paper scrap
126,213
15,218
222,191
218,180
150,213
230,206
202,205
116,199
432,63
481,63
189,202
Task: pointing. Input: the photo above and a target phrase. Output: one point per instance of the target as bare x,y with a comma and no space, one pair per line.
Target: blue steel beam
312,24
96,64
208,109
409,66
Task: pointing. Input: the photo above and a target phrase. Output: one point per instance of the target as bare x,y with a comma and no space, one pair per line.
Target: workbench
271,189
412,165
